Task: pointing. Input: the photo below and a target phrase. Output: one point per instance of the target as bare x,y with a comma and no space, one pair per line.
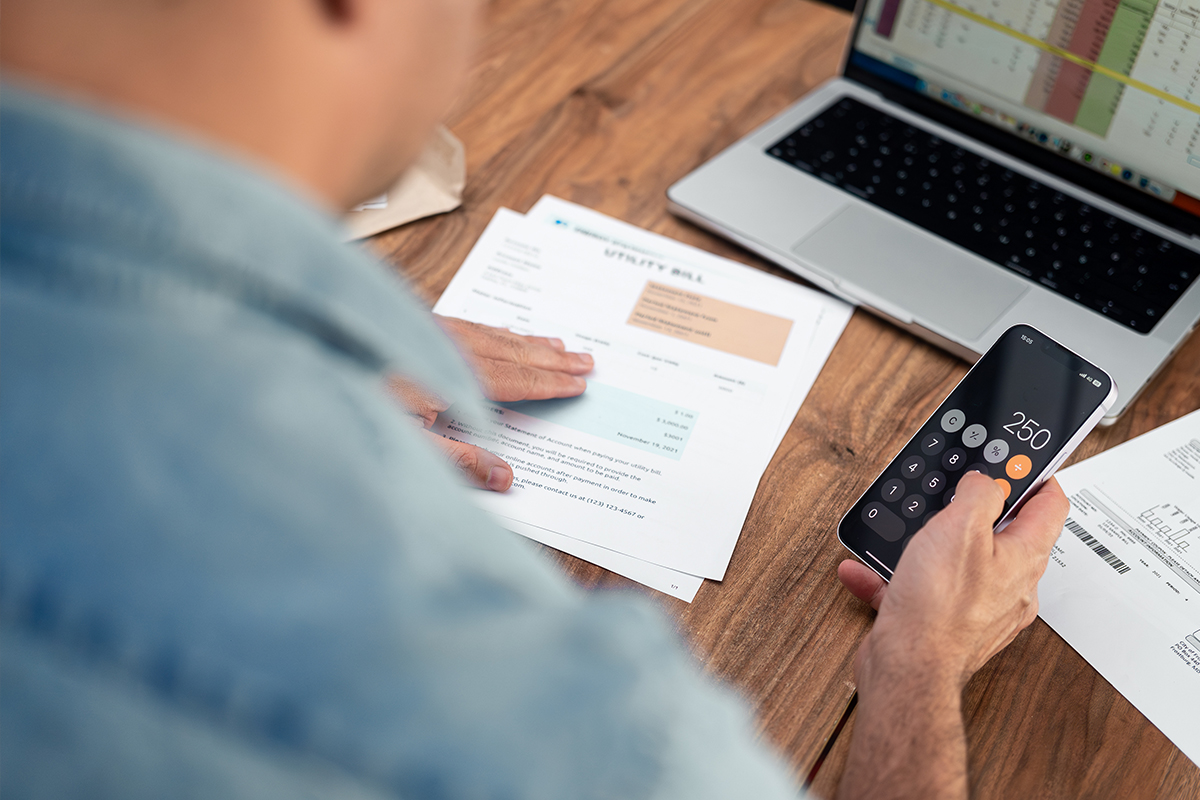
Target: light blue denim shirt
231,568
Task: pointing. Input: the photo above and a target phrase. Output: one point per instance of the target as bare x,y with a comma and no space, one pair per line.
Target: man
231,567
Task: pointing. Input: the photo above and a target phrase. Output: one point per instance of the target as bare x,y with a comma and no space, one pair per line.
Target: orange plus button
1005,487
1018,467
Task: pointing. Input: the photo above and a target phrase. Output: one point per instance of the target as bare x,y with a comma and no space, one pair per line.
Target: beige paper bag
433,185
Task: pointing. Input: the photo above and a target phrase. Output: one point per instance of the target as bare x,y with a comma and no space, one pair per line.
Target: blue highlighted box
619,416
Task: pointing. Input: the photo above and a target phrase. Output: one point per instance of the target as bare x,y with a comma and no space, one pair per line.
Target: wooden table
608,102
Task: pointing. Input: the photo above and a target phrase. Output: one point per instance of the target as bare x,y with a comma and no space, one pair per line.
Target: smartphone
1016,417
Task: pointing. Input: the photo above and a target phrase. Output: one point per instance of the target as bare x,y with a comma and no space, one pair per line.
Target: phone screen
1009,418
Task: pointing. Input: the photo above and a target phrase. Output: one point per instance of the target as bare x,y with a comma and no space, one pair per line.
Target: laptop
978,165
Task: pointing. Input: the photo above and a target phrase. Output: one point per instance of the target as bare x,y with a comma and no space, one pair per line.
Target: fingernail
499,479
557,344
579,383
585,360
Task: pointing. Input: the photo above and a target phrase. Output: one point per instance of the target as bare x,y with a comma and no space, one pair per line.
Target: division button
974,435
995,451
893,490
932,444
913,506
933,483
953,420
954,459
912,467
884,522
1018,467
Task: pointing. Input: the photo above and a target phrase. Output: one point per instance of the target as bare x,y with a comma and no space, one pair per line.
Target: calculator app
1009,418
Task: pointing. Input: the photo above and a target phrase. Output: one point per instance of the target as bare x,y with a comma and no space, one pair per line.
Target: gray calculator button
933,483
913,506
954,459
883,522
893,490
913,467
974,435
995,451
932,444
953,420
980,467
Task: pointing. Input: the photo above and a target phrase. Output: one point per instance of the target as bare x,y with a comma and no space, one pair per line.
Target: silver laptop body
918,280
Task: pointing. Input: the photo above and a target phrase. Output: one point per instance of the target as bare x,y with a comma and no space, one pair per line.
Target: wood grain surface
608,102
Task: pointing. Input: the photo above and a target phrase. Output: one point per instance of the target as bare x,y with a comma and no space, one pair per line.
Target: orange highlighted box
1186,202
1005,487
1018,467
722,326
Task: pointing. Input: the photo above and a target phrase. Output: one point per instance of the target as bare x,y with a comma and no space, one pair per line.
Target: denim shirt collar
77,178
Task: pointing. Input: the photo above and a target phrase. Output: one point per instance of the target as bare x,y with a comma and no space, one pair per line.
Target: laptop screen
1111,85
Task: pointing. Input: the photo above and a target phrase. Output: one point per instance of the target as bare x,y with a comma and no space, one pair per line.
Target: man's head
337,95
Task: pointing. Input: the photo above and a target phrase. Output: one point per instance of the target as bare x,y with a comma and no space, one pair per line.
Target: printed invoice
831,318
660,458
1123,583
830,314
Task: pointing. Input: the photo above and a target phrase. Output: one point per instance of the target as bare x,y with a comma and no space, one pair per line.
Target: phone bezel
1059,457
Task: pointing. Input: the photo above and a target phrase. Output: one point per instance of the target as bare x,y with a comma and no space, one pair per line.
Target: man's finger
1040,521
530,352
480,468
420,402
862,582
484,342
978,502
551,342
505,382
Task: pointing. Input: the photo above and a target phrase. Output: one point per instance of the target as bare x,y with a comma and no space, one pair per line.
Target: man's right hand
960,594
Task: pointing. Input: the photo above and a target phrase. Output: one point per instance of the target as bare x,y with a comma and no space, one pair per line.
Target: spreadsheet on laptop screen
1111,84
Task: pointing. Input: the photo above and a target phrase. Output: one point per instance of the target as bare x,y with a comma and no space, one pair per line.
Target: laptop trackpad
939,286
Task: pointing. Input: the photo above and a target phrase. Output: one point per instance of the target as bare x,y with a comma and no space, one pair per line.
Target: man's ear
339,11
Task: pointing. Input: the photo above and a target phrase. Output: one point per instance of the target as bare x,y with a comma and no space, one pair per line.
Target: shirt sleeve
228,553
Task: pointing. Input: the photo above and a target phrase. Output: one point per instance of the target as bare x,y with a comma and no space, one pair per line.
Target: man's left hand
510,368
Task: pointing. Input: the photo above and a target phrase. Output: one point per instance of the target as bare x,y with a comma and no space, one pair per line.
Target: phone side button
1058,462
883,522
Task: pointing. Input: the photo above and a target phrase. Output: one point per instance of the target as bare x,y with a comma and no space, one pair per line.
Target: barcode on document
1097,548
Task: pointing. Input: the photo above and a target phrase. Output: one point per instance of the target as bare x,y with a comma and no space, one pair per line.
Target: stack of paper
1123,583
701,365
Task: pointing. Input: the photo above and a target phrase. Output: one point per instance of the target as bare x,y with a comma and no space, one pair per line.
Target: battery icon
1096,381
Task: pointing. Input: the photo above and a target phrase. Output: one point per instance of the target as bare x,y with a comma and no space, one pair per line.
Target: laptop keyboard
1100,261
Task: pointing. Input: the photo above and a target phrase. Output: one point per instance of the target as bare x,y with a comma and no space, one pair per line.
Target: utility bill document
830,314
696,364
1123,583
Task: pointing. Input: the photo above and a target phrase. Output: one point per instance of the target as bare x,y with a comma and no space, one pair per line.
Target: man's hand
960,595
509,368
